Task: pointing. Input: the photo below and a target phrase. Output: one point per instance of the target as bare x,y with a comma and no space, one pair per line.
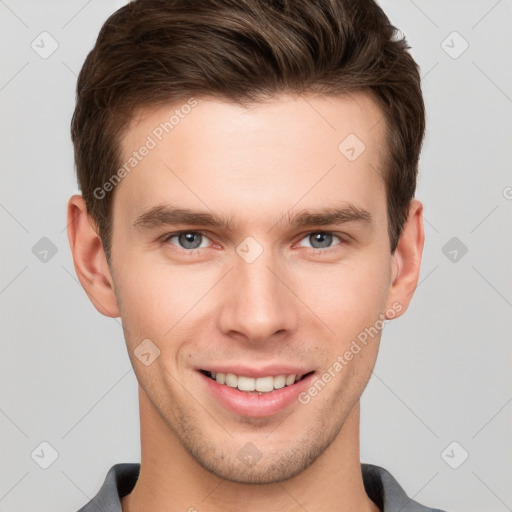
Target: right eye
187,240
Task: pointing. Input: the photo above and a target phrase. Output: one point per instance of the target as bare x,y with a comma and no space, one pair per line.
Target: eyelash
312,250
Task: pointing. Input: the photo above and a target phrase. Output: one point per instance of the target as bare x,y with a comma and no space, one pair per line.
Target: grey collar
380,485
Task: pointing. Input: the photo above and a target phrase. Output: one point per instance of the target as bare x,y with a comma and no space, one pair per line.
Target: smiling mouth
255,385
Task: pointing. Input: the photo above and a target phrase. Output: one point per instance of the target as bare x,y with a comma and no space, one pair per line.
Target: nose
259,302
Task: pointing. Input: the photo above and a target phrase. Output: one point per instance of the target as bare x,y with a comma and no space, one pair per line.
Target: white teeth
231,380
264,384
245,383
260,384
279,382
290,379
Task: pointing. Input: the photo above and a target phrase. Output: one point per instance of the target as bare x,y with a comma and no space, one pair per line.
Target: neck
171,480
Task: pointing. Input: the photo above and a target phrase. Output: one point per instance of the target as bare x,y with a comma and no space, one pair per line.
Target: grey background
443,372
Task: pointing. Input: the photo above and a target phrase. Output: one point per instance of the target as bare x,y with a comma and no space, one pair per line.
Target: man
248,171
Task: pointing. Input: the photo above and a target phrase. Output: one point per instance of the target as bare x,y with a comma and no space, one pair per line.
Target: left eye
320,239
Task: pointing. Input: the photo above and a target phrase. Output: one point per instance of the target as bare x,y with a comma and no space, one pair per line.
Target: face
250,250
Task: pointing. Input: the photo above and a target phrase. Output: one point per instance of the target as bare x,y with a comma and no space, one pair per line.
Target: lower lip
256,405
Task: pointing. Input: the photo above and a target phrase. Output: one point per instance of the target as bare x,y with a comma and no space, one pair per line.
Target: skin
291,305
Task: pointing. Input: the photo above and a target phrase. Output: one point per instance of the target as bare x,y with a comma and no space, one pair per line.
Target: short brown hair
153,52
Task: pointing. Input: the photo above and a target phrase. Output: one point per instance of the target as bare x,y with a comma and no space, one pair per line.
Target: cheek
155,298
348,296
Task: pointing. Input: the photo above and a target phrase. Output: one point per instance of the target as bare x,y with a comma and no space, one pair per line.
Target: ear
89,258
406,261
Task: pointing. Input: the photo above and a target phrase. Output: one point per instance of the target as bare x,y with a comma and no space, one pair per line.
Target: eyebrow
161,215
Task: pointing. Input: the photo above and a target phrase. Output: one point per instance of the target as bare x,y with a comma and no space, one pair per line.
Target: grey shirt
379,484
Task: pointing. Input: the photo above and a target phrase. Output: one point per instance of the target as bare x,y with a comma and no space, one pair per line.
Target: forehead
206,153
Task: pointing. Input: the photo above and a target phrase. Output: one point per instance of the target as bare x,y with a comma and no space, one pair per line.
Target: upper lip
265,371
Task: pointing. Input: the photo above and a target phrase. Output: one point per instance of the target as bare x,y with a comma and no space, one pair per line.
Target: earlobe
89,258
407,259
